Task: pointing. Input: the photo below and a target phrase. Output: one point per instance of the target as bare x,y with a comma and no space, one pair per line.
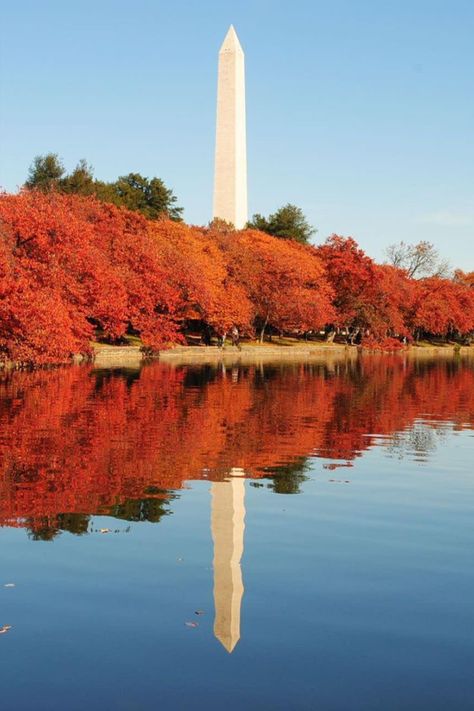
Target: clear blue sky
359,111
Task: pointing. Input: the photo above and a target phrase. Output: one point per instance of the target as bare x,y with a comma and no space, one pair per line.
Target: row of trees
149,196
153,199
72,266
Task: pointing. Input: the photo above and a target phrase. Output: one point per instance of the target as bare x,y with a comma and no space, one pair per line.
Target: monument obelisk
227,526
230,178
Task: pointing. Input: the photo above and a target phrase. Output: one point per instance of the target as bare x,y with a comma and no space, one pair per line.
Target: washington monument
230,178
227,526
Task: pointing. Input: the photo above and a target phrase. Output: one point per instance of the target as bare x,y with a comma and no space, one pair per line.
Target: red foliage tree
284,280
198,271
441,307
72,268
75,264
353,276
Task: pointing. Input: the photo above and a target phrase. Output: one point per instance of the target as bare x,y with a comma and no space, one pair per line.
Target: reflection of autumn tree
76,442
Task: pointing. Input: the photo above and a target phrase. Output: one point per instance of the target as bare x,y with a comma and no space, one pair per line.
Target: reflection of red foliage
81,441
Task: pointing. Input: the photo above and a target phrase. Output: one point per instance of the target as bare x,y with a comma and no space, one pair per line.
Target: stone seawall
105,356
111,356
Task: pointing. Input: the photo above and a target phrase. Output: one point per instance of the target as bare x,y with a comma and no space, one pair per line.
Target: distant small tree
418,260
289,222
45,173
465,278
221,226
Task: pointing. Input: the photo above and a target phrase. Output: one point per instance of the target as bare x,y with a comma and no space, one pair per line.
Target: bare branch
418,260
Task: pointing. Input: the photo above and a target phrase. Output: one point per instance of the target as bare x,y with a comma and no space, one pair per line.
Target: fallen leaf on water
4,629
192,624
9,585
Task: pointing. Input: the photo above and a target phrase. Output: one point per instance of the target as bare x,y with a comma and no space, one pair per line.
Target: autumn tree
74,268
217,224
284,281
90,265
289,222
198,269
353,277
418,260
465,278
441,307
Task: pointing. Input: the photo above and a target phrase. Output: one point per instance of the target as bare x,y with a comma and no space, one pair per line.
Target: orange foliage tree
376,302
73,268
442,307
70,265
284,280
198,270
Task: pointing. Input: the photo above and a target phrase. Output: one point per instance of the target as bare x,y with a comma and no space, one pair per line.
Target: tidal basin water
255,536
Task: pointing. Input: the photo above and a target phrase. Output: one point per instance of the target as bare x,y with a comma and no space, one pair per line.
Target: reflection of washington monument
227,526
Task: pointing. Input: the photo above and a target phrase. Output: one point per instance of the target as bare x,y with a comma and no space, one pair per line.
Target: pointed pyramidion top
231,42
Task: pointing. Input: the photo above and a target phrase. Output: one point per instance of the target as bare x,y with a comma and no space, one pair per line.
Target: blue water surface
358,588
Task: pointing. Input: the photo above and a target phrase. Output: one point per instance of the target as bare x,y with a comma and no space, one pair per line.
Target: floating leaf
5,628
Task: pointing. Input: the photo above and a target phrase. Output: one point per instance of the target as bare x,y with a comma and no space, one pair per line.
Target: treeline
72,267
149,196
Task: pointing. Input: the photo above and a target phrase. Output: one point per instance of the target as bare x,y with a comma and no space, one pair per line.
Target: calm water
317,518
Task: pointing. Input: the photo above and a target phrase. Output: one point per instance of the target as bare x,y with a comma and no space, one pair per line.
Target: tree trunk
354,335
262,332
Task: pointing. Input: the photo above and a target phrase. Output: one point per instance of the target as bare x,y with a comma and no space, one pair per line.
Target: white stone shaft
227,526
230,178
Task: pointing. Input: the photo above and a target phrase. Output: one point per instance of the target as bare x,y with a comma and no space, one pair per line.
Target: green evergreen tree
148,196
289,222
80,181
45,173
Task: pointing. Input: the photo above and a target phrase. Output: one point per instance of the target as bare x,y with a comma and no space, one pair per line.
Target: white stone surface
230,179
227,526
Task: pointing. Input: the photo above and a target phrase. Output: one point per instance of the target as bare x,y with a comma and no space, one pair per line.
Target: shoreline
299,352
109,356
